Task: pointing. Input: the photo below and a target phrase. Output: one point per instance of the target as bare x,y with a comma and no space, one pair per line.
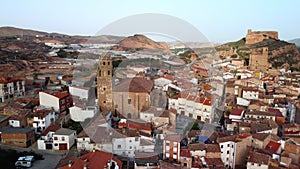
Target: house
258,161
11,87
45,142
162,83
131,96
94,160
19,117
171,147
234,149
236,114
260,115
126,142
291,129
63,139
292,150
185,158
205,150
250,93
79,112
273,147
16,136
42,118
146,160
59,101
260,140
80,91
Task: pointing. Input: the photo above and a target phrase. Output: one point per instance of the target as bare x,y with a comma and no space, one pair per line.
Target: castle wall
258,36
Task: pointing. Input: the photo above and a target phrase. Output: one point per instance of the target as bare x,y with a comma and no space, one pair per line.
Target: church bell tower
104,83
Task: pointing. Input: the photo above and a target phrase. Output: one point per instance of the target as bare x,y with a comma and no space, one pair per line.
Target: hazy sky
218,20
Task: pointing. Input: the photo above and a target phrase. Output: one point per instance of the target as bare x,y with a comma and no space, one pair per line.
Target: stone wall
259,59
258,36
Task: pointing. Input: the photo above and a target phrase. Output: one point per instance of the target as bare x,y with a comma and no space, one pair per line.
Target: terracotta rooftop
260,113
250,89
234,138
93,160
236,112
58,94
134,85
259,158
272,146
173,137
185,153
52,128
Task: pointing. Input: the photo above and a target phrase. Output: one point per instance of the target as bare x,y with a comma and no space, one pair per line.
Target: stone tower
104,82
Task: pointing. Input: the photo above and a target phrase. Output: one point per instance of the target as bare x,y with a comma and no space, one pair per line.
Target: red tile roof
93,160
136,84
259,158
236,112
277,111
59,95
272,146
134,126
185,153
250,89
52,128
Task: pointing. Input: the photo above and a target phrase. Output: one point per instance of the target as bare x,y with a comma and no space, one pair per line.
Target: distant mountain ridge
295,41
8,31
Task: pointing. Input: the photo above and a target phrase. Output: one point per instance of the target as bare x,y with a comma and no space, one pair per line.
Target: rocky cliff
280,52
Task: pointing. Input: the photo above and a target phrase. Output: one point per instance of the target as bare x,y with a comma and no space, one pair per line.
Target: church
127,98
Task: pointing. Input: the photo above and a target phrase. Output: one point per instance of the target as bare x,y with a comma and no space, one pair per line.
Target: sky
218,20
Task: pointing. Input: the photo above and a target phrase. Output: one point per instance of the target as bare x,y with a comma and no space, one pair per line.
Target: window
228,145
104,88
55,138
108,63
228,152
63,138
130,141
130,147
104,101
222,146
55,144
190,115
103,63
108,72
136,139
129,101
119,146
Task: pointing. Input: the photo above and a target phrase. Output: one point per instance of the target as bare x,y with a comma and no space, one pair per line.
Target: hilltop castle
258,36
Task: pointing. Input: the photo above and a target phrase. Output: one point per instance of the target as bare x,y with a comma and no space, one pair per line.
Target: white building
81,92
234,149
162,83
79,112
11,88
63,139
250,93
59,101
258,161
43,117
45,142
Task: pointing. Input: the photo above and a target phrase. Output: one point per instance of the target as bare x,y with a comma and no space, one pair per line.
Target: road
51,158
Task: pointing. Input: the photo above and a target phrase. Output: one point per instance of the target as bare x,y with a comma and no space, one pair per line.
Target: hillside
295,41
141,43
280,52
68,39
